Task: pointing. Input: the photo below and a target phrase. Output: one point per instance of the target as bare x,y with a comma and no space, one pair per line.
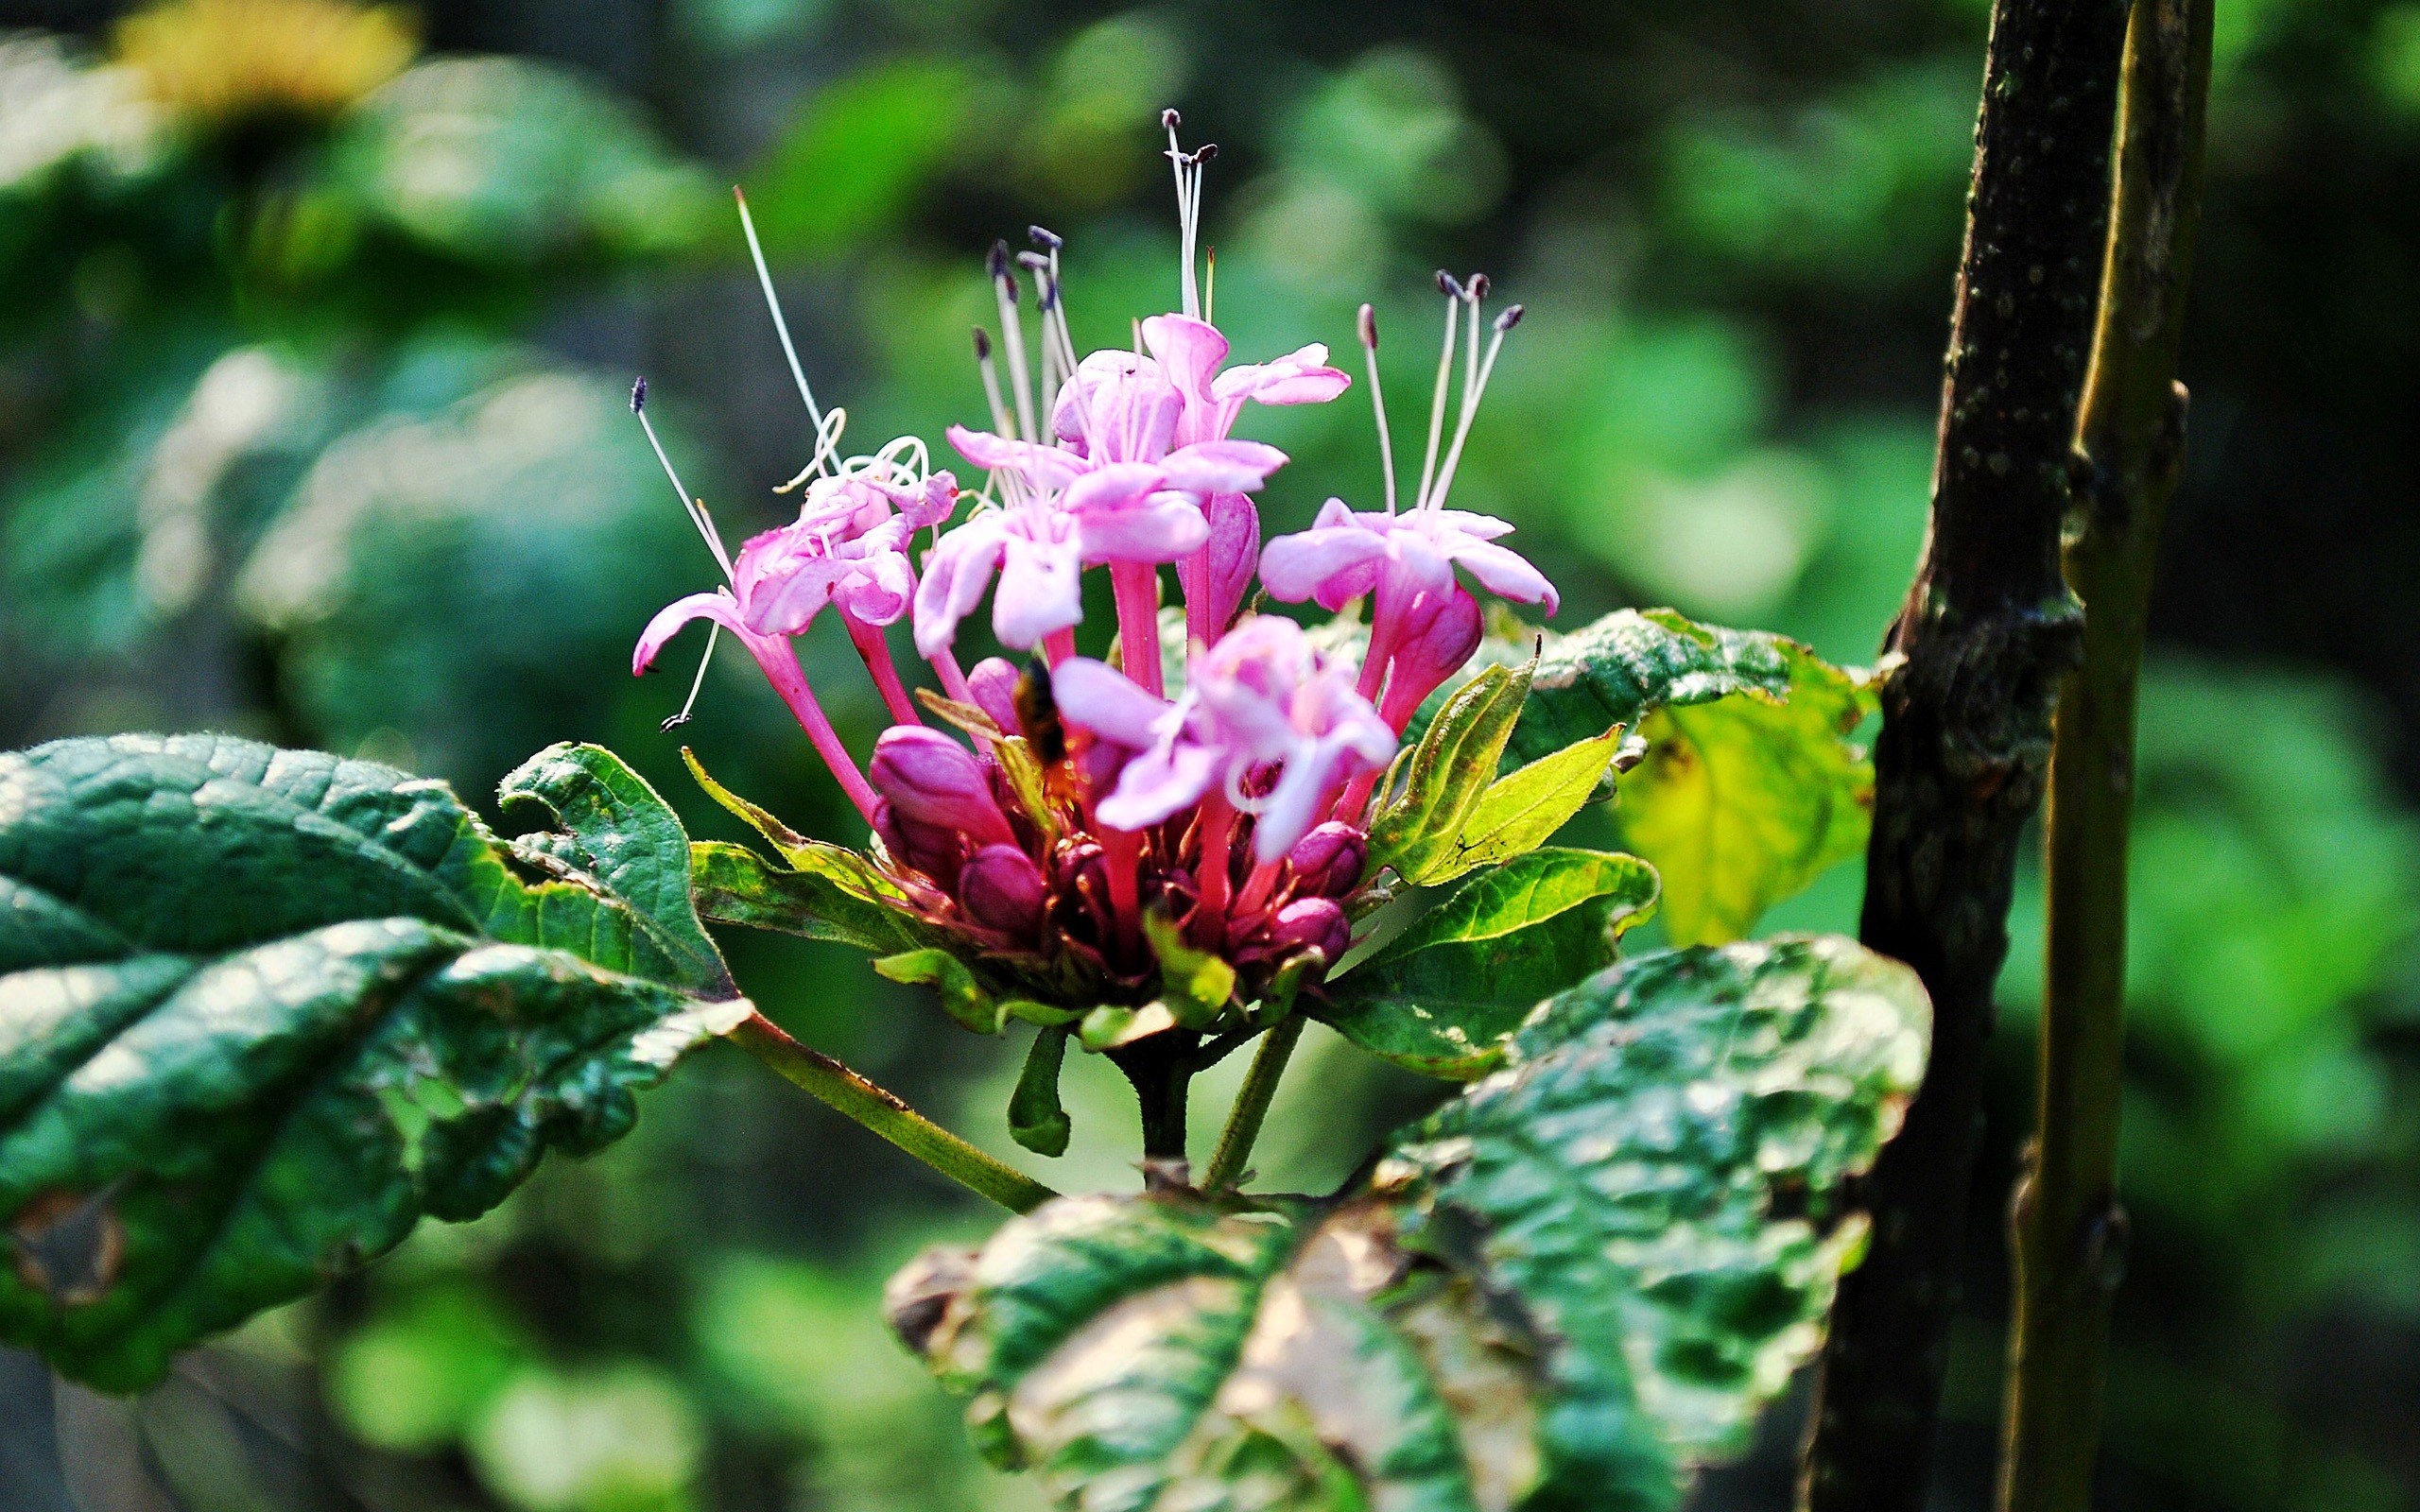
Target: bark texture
1986,633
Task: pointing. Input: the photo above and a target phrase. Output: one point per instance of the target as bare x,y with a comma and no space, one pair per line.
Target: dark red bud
1001,889
1311,922
1328,860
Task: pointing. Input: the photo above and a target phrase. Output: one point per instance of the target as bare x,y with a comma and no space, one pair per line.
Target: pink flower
1260,700
1189,353
1348,552
848,547
1077,512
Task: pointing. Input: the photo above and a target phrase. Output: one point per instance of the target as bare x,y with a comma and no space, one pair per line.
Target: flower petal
1221,467
1502,570
717,606
1189,351
955,576
1110,486
1041,591
1158,784
1107,702
1162,528
1046,466
1301,377
1296,567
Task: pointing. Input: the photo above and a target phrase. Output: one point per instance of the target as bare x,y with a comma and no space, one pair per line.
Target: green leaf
1523,811
779,835
831,895
1569,1287
617,830
1036,1119
1110,1025
1743,801
1415,828
1615,670
1194,984
1444,996
261,1009
962,997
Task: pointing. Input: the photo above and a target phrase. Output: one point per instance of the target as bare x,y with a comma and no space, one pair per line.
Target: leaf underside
1565,1289
260,1011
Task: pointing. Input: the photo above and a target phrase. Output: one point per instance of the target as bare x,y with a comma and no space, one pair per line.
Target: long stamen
773,302
1054,323
1001,424
1178,162
713,638
1210,286
1004,292
1453,293
1472,293
694,507
1511,317
827,445
1369,325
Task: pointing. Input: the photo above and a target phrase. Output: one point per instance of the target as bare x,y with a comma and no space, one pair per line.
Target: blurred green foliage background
313,355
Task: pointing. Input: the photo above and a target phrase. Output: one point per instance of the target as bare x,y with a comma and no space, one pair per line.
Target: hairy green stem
863,1103
2068,1228
1252,1105
1161,1068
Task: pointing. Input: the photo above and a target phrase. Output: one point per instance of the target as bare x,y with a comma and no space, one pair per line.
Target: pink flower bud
1311,922
1328,860
930,849
1215,581
932,779
1000,887
1439,633
994,685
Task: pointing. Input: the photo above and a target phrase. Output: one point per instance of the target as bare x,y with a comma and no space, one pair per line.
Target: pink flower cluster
1233,808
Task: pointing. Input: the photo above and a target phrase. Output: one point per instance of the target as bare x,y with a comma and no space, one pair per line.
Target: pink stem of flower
1218,846
1357,798
1137,585
1257,888
779,659
1387,607
1058,645
1121,860
1193,580
874,648
944,664
1398,707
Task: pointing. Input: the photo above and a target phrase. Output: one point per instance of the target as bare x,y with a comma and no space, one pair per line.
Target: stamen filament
1369,323
1004,292
693,507
773,302
1511,317
1444,375
713,638
1187,210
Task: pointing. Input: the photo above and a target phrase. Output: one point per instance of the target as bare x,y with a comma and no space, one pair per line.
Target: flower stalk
871,1107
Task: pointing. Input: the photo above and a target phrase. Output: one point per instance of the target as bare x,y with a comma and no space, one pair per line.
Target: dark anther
1206,152
997,260
1044,236
1169,120
983,345
1511,317
1446,285
1368,320
638,395
1478,287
